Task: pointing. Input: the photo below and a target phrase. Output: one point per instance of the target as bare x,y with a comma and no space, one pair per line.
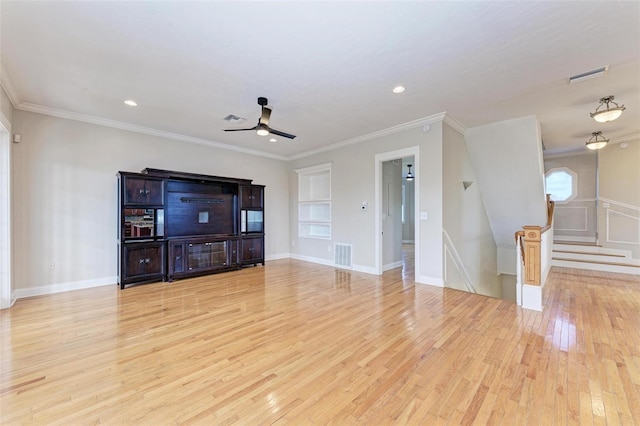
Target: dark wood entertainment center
174,225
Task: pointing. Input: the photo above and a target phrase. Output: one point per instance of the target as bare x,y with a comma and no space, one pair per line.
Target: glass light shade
607,115
409,174
262,130
597,141
610,110
596,145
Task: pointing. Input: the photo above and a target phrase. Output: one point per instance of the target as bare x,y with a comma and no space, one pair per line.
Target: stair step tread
596,261
577,243
589,253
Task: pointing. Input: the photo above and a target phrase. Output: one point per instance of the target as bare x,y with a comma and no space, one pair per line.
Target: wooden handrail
550,208
520,235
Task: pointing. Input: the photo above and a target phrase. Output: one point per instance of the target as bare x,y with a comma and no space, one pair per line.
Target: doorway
384,207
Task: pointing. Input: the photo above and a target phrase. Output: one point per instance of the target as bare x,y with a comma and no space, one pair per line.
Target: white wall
65,195
620,182
353,182
507,158
466,222
5,105
576,220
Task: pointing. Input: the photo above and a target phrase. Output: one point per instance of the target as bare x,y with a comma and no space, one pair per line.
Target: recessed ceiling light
131,102
273,140
398,89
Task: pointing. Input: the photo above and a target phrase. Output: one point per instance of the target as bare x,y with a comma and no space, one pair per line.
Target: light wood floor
298,343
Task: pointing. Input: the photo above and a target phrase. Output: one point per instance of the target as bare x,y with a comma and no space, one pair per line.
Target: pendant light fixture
597,141
608,112
409,174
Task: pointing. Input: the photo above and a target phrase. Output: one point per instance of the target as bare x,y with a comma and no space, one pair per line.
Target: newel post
532,250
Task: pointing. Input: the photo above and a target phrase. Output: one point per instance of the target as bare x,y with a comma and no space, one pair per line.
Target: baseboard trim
311,259
59,288
366,269
436,282
277,256
393,265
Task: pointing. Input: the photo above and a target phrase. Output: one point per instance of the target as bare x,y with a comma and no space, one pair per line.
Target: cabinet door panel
251,250
155,191
251,197
153,260
177,257
134,261
140,190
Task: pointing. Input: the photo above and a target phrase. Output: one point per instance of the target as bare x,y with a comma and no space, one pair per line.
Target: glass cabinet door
251,221
207,255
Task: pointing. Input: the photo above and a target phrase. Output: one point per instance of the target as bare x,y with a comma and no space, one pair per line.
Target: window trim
574,183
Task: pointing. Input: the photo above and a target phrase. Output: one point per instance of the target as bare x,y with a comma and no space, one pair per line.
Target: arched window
562,184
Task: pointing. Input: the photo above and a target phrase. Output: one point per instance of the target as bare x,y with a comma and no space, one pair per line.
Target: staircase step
591,249
577,243
584,252
617,267
601,262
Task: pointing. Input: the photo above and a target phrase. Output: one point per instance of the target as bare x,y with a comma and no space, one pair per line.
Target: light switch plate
424,215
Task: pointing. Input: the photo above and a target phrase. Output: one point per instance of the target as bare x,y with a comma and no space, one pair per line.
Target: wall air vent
599,72
342,254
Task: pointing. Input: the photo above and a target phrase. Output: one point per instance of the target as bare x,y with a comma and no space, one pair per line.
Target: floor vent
342,255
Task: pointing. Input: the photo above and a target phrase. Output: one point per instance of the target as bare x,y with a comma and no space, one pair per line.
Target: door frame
379,159
6,299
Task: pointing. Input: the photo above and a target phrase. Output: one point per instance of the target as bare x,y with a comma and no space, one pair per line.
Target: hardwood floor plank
300,343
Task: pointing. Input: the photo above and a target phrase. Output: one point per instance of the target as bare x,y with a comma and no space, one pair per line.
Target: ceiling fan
262,128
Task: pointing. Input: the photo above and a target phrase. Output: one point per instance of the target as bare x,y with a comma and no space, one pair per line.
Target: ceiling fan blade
283,134
266,114
240,130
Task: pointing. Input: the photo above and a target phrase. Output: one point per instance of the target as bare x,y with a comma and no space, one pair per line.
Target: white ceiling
327,67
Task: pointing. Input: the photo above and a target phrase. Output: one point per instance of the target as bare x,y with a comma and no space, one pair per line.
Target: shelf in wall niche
314,230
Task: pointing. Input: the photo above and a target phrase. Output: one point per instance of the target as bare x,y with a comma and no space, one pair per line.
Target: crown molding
583,150
629,138
455,124
571,153
10,89
377,134
25,106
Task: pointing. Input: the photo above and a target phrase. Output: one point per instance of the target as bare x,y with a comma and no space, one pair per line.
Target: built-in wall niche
314,201
315,185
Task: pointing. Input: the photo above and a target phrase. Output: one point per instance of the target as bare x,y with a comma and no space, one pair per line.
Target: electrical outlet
329,248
